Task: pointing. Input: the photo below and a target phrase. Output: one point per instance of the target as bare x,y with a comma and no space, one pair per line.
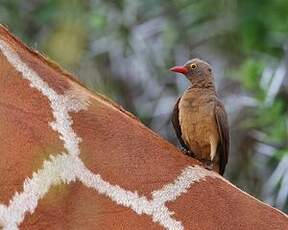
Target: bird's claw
207,164
187,152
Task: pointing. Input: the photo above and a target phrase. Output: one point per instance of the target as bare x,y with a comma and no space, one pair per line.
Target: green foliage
250,76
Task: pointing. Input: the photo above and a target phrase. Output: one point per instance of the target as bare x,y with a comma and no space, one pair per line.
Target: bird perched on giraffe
199,118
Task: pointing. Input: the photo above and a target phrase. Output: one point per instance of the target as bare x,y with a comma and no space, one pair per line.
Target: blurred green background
124,48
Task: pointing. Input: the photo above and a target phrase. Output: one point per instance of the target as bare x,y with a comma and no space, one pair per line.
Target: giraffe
59,171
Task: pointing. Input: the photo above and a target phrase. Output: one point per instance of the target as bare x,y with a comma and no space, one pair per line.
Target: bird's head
195,69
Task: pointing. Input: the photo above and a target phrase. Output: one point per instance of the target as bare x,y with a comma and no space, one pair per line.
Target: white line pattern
68,167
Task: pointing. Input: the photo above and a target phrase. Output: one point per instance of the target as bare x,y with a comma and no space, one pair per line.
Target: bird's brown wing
223,130
176,125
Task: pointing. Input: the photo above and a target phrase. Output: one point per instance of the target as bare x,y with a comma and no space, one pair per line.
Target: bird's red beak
179,69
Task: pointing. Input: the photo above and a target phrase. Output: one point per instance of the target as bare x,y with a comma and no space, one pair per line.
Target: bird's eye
193,66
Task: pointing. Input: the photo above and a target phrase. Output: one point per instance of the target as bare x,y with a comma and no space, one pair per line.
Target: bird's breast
197,122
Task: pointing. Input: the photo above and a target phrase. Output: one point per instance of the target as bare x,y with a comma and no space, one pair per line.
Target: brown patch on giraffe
26,139
118,151
223,207
75,206
58,79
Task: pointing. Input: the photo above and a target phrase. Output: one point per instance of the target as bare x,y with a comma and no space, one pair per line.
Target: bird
199,117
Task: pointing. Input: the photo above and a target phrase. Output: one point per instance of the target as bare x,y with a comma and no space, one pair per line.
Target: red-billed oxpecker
199,117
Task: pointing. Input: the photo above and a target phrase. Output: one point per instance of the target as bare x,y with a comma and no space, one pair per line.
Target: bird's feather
223,130
176,125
